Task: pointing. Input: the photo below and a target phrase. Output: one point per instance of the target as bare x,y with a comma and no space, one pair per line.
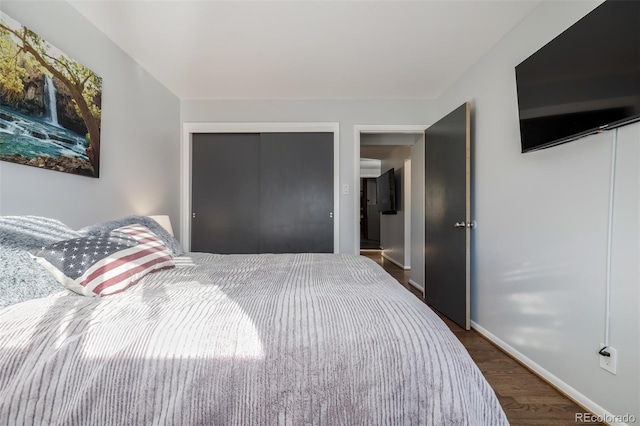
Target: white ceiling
305,49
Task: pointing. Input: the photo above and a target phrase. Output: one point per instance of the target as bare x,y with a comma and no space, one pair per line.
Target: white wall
347,112
392,225
406,207
540,247
417,213
625,271
140,133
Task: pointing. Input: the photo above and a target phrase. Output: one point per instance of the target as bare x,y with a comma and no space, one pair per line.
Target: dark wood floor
525,398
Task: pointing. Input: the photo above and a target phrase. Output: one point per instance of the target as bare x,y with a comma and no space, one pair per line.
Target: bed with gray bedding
270,339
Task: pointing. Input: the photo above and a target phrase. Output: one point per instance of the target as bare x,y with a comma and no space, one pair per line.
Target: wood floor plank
526,399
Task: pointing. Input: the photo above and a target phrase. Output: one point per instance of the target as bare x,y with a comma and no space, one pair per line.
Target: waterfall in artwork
50,106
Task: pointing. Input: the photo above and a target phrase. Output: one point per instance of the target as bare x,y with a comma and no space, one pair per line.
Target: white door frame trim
211,127
358,129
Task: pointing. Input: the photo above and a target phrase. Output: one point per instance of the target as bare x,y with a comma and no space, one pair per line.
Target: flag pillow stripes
107,263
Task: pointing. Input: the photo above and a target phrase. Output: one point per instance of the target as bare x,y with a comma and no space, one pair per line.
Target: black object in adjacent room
584,81
386,192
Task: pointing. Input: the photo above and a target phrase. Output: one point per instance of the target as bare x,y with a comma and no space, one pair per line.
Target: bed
268,339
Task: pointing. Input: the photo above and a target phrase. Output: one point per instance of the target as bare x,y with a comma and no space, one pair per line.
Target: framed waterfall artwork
49,104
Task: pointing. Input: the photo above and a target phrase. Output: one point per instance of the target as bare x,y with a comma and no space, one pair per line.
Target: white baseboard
416,285
554,381
395,262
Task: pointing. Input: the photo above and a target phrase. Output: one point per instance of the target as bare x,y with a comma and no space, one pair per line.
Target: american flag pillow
107,263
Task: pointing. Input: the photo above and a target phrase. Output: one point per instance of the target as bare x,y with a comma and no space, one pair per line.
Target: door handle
460,225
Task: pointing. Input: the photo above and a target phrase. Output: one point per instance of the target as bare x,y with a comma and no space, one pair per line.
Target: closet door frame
188,129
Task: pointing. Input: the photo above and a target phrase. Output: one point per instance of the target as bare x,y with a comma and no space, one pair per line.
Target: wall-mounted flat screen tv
584,81
386,192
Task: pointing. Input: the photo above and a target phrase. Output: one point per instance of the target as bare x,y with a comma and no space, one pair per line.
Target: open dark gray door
447,215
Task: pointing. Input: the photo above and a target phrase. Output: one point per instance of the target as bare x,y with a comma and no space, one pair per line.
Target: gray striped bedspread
289,339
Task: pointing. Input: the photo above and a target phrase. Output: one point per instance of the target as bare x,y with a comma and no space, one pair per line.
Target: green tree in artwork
22,48
11,73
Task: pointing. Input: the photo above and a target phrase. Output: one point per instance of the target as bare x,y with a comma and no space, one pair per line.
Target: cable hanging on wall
612,181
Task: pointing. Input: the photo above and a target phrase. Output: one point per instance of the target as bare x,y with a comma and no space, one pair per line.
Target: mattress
269,339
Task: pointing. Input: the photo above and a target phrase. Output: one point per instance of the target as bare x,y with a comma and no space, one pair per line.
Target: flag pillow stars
107,263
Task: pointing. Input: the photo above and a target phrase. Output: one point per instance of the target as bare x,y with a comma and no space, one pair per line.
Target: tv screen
584,81
386,192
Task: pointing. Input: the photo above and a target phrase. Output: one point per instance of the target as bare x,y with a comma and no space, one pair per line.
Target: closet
262,192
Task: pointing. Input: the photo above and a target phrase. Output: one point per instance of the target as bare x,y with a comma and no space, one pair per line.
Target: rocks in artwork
63,163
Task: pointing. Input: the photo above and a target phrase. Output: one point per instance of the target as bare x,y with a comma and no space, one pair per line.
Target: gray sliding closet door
262,193
225,192
296,193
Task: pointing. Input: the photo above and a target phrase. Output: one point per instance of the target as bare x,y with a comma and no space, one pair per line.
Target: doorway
400,148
